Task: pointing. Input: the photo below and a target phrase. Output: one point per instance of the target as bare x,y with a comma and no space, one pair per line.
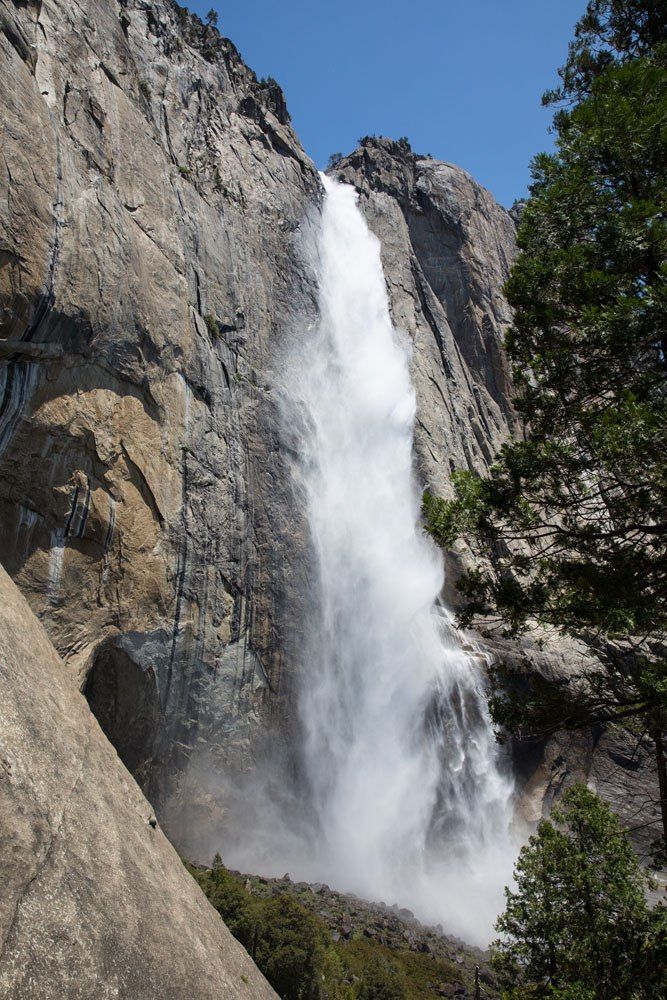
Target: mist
401,795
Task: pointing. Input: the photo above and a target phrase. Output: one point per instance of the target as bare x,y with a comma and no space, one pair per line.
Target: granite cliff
95,901
152,200
447,247
152,188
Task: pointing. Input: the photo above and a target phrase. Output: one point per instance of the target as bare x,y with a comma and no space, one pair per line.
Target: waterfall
399,795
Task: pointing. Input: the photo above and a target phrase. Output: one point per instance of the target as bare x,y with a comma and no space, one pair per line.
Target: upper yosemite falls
225,382
398,764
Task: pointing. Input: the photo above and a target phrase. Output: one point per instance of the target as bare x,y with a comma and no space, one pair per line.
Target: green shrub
290,947
183,17
212,325
293,948
232,902
381,981
335,977
289,944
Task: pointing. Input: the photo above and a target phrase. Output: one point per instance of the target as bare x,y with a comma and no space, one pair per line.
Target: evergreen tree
577,926
571,522
290,948
381,981
611,32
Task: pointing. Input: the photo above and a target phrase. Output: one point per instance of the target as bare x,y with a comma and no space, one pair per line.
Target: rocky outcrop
95,901
616,760
151,195
447,247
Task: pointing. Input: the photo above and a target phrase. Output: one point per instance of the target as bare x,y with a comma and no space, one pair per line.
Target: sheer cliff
447,247
153,200
151,192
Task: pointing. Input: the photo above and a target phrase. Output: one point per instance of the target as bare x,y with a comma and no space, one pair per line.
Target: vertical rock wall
447,247
151,192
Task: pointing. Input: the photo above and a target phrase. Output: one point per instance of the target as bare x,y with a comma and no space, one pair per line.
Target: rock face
95,901
447,247
152,190
617,761
152,195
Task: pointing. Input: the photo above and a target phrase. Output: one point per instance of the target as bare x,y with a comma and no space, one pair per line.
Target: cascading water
400,795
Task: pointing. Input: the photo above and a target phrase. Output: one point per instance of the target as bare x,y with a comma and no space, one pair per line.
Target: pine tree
577,924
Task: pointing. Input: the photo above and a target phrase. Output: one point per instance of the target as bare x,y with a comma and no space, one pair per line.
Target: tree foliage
290,948
287,943
381,982
609,33
570,523
587,487
577,926
293,947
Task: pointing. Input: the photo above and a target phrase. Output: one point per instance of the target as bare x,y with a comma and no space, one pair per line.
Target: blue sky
462,79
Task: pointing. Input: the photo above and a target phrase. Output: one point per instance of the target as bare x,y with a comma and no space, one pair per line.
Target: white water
399,796
398,750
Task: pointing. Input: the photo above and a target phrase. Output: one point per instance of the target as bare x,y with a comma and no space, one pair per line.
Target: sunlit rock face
447,247
150,204
95,900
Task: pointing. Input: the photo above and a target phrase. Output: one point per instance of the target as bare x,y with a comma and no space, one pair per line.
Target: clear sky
462,79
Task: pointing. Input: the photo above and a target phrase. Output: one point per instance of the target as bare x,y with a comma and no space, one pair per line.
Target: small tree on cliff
212,17
577,924
571,521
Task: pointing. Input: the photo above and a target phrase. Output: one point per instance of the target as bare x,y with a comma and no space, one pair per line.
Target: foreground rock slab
95,901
